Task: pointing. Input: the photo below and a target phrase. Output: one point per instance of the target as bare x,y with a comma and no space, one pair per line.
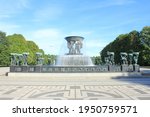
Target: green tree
96,60
123,43
32,51
4,51
18,44
50,59
145,37
145,42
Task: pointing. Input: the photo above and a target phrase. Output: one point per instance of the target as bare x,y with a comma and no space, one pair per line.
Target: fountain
74,61
74,57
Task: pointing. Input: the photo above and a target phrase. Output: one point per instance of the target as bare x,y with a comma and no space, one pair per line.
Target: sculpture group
74,45
126,58
128,64
21,59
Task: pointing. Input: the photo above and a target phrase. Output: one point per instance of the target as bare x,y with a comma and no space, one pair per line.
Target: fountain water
74,57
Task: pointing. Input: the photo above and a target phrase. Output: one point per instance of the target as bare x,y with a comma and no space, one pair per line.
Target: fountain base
73,69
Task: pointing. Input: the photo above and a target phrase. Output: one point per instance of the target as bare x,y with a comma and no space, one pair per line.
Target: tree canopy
132,42
4,50
16,43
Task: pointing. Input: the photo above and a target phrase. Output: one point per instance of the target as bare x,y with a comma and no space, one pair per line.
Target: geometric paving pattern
84,88
75,92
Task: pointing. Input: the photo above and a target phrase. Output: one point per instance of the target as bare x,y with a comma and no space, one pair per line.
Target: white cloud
107,3
4,16
47,13
9,28
11,7
97,43
46,34
80,33
23,3
50,40
92,46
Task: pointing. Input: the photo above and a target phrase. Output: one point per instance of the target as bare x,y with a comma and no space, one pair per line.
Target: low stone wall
75,69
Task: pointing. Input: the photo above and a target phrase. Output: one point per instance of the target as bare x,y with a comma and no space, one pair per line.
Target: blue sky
47,22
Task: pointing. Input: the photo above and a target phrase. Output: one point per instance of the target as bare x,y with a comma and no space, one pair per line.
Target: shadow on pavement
144,79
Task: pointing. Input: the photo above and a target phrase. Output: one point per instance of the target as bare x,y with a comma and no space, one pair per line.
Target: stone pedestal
15,69
37,69
103,68
12,68
114,68
124,68
24,68
130,68
31,69
136,67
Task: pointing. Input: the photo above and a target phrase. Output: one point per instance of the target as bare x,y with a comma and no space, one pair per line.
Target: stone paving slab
96,88
66,92
74,88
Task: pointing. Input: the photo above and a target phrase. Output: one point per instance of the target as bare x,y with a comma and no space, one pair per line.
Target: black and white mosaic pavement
100,89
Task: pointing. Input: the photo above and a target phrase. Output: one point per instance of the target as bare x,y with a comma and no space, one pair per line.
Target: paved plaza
74,88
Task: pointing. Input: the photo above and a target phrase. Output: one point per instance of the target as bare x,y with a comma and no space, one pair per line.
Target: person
71,47
135,57
78,46
123,58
